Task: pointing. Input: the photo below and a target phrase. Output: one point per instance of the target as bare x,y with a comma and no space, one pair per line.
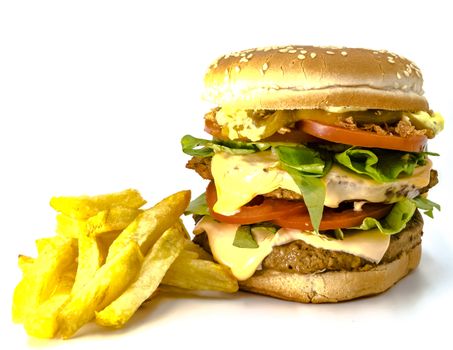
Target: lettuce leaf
198,206
380,165
394,222
206,148
306,166
425,204
244,238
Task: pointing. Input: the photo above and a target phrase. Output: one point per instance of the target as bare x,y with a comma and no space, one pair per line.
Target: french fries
89,261
106,285
149,225
84,207
155,265
189,272
39,282
108,257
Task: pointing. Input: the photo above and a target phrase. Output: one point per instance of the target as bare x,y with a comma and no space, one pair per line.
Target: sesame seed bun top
308,77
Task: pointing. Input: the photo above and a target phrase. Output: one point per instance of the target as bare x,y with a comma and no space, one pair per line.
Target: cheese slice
240,178
243,262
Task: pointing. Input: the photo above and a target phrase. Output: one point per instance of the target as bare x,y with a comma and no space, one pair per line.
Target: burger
317,167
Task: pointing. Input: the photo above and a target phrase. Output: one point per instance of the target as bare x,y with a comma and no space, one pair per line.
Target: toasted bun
307,77
334,286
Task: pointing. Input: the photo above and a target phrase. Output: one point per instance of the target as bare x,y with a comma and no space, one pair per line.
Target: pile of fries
108,257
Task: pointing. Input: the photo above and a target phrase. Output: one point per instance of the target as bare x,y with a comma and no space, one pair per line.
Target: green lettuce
394,222
198,206
380,165
306,166
399,216
425,204
244,237
207,148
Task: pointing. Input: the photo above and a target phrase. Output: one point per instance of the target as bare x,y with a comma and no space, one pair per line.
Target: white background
94,97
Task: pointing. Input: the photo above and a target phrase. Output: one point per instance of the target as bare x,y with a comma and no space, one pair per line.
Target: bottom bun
332,286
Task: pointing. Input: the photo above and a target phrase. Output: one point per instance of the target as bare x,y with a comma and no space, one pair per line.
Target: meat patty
300,257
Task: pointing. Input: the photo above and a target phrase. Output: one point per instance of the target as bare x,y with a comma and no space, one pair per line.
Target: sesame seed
418,74
344,53
398,75
301,57
242,54
406,73
330,52
376,53
265,67
292,51
243,59
313,54
303,52
267,49
283,50
404,87
249,56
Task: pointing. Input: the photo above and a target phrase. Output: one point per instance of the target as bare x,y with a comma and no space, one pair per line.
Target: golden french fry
40,279
105,241
113,219
107,284
89,261
25,263
190,246
195,274
70,227
154,267
42,323
84,207
149,225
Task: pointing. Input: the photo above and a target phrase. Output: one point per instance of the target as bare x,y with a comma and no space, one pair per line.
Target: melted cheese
243,262
240,178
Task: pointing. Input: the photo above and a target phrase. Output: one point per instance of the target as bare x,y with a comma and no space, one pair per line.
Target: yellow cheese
240,178
243,262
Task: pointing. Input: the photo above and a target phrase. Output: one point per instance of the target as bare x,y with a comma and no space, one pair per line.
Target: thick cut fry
40,279
114,219
70,227
149,225
89,261
25,263
105,241
190,246
42,323
84,207
106,285
155,265
189,273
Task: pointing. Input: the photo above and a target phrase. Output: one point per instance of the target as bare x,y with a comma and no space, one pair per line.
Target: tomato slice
332,219
363,138
266,210
294,214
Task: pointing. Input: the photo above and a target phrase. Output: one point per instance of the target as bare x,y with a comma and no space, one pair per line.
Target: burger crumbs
348,123
403,128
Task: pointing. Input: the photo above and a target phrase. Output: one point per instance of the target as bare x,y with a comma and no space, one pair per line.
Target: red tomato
267,210
332,219
363,138
294,214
